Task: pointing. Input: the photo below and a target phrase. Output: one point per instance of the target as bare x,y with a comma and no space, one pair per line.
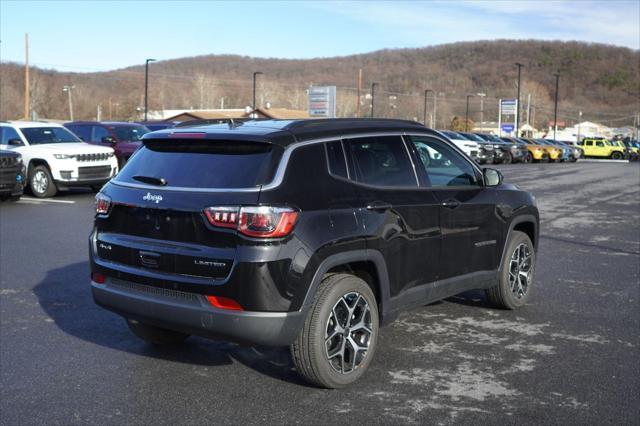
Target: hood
72,148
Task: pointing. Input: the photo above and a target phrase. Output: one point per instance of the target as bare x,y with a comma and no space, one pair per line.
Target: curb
590,160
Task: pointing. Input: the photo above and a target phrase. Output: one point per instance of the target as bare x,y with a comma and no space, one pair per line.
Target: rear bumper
191,313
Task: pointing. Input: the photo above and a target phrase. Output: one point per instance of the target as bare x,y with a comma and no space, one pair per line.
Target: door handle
378,206
450,204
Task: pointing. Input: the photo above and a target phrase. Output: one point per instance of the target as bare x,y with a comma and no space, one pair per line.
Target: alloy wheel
40,182
348,333
520,270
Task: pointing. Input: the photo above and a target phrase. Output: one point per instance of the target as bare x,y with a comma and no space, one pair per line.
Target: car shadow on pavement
65,296
475,298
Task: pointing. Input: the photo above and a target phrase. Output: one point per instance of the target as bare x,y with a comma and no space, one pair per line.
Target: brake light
188,135
260,222
103,203
224,303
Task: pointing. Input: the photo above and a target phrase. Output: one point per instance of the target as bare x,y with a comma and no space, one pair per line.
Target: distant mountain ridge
602,81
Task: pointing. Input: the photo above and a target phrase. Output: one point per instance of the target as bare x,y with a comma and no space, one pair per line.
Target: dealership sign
508,115
322,101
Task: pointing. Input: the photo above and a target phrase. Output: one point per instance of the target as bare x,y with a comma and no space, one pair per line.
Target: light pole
555,108
426,92
579,122
466,115
373,97
519,65
146,85
255,74
481,96
68,89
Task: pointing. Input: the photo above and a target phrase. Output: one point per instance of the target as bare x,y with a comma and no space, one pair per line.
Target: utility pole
68,89
555,108
424,120
27,107
358,95
528,108
434,119
466,115
255,74
146,85
373,97
481,95
519,65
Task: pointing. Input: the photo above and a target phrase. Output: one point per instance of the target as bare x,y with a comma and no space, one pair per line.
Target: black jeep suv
308,233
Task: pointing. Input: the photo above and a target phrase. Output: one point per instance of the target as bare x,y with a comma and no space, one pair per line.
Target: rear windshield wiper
151,180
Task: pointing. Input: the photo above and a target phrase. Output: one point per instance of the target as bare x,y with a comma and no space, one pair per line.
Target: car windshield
45,135
473,137
451,135
129,133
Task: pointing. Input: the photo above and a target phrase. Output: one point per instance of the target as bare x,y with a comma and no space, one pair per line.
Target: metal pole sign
322,101
508,115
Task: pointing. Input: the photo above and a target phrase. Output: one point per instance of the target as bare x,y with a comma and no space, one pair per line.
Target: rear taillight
259,222
224,217
103,203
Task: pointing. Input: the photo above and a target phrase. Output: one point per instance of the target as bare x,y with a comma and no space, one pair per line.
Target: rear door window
203,163
381,161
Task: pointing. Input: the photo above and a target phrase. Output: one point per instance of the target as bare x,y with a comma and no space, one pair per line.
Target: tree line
602,81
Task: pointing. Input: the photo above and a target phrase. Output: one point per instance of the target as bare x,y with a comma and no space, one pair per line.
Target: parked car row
47,157
491,149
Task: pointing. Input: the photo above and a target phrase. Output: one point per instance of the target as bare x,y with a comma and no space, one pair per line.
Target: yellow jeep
601,148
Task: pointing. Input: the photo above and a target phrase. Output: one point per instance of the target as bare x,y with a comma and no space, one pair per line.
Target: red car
123,137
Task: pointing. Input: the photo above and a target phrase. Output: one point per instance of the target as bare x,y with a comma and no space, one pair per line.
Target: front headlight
19,159
496,146
62,156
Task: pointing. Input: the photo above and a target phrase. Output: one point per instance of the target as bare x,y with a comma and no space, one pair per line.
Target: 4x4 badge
155,198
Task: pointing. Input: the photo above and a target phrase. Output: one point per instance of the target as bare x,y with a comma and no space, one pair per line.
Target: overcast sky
90,36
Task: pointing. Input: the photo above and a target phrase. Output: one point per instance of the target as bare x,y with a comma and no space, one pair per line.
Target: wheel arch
369,265
34,162
526,223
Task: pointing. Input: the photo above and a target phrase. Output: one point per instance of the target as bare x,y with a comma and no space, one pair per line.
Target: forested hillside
600,80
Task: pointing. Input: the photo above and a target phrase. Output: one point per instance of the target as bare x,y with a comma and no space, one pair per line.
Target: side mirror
15,142
492,177
109,139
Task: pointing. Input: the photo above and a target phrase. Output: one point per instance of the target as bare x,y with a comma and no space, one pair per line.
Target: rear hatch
156,222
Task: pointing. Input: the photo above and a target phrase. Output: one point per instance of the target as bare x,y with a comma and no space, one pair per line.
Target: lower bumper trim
195,316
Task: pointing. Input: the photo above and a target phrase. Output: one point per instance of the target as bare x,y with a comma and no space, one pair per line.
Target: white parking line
46,200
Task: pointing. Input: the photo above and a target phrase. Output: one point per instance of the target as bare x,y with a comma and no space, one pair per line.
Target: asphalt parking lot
572,356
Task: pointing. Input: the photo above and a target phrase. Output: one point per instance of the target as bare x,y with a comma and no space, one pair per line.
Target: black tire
528,159
309,352
502,295
41,182
155,335
616,155
507,158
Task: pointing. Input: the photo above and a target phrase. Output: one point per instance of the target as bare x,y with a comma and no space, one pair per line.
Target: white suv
56,158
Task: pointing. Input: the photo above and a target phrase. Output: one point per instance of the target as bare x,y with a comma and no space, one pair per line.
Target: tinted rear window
204,164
